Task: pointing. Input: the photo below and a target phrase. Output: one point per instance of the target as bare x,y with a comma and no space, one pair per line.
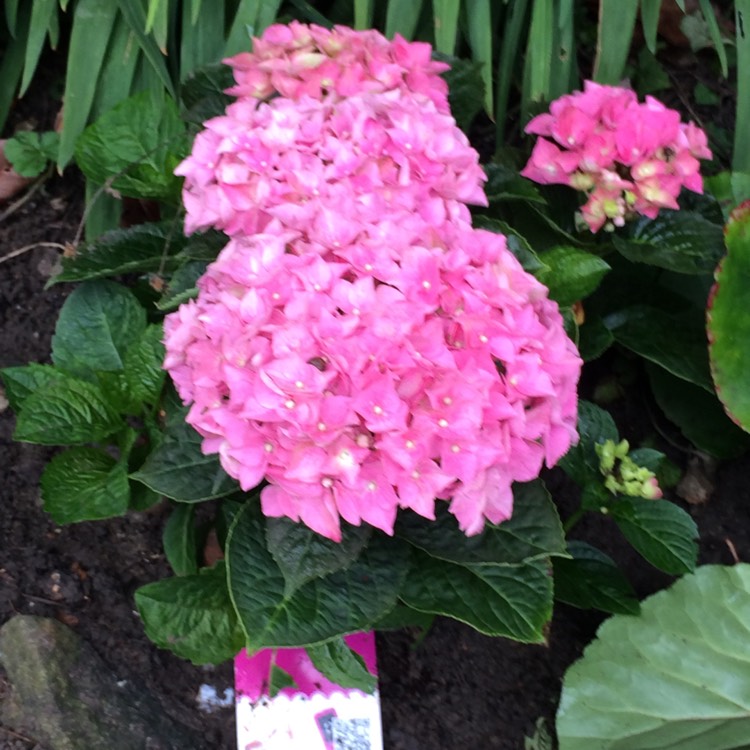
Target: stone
63,694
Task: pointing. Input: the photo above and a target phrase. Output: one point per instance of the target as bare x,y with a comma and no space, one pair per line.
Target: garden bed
454,687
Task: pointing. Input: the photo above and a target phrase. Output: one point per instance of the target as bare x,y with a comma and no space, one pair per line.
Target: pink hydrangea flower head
357,344
591,135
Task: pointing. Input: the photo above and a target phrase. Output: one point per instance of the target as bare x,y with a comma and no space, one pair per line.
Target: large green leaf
145,247
534,531
698,414
84,484
303,555
180,540
514,601
591,580
504,183
192,616
66,411
343,602
517,244
178,469
41,18
661,531
571,274
21,382
135,147
682,241
729,320
99,321
595,426
676,342
675,678
465,89
143,374
342,666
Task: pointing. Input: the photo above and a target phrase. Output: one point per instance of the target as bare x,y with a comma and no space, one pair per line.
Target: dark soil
455,688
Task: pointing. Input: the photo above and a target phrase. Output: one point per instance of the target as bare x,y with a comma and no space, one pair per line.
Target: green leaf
30,152
192,616
445,17
183,285
571,274
504,183
660,531
303,555
343,602
480,33
135,148
181,540
595,427
279,679
99,321
202,93
202,43
681,241
402,616
498,600
650,21
143,374
66,412
675,678
88,49
539,51
516,243
135,16
740,154
465,89
342,666
21,382
534,531
178,469
729,320
592,580
614,37
42,13
675,342
142,248
363,14
402,17
594,338
698,414
84,484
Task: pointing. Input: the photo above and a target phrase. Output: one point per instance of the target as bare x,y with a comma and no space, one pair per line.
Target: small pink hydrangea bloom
357,344
630,158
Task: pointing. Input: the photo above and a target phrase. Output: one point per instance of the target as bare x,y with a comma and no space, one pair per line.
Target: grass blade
614,37
267,13
53,31
89,39
133,12
118,72
157,22
564,68
539,52
741,156
41,17
402,17
363,14
713,29
203,43
445,15
308,13
650,22
11,67
514,22
480,31
11,16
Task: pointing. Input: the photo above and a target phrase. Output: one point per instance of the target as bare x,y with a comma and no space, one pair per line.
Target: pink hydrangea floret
629,157
357,344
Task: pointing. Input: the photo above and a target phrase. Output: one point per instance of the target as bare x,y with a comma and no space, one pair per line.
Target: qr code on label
350,734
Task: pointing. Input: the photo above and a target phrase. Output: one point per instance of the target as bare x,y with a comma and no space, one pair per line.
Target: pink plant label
312,714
